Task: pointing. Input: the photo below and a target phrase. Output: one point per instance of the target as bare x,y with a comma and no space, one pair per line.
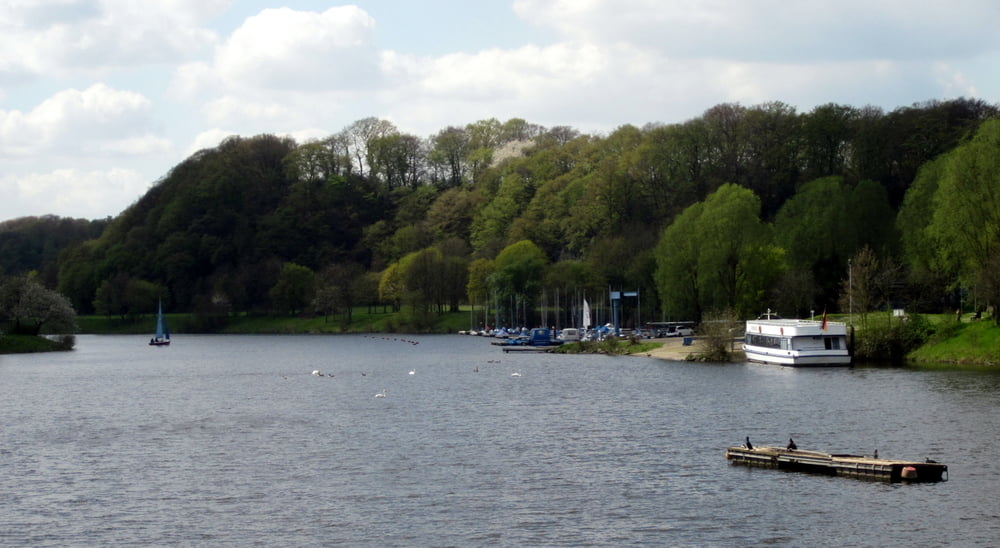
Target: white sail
586,314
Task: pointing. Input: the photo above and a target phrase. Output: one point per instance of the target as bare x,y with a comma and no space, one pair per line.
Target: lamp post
850,293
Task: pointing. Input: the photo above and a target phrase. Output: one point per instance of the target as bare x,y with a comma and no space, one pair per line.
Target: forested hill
374,215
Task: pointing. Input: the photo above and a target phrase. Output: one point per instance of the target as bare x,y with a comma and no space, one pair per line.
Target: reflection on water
230,440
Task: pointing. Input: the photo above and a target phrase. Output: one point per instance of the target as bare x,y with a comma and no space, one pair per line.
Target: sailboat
162,337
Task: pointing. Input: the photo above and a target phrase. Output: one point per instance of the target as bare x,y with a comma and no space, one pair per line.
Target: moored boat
797,342
539,337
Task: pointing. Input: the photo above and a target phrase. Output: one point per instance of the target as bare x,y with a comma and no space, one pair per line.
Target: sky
99,99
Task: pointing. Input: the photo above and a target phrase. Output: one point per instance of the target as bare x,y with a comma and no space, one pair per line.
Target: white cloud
192,81
209,139
522,72
248,112
71,193
284,49
73,121
39,38
774,30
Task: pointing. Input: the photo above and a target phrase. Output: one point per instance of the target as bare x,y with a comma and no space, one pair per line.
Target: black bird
791,445
875,455
749,445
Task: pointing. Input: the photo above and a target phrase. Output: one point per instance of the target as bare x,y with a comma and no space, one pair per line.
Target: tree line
742,208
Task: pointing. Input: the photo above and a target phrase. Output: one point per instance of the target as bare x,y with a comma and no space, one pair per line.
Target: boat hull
796,359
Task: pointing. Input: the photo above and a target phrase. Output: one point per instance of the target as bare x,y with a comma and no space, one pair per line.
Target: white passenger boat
797,342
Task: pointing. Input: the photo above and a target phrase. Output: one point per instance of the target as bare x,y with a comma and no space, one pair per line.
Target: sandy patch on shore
673,349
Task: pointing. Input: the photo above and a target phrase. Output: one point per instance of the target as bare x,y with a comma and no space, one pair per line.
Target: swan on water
515,374
413,371
380,394
317,373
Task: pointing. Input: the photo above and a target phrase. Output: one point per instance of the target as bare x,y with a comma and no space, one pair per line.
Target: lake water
230,441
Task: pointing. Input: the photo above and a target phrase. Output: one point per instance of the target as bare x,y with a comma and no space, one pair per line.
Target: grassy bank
611,346
362,321
23,344
967,343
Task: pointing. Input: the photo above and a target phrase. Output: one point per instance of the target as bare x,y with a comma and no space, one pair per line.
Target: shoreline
673,349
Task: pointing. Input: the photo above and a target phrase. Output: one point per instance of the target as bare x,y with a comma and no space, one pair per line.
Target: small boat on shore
797,342
851,466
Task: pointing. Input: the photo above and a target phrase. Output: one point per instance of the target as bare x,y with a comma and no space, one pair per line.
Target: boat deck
853,466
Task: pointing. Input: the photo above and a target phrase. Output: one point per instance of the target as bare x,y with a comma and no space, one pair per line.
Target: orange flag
823,326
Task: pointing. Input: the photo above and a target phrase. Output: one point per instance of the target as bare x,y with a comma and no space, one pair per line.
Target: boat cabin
797,342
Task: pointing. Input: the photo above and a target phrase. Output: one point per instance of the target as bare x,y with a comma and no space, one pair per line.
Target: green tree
826,137
294,288
391,286
477,287
520,268
965,222
319,160
361,134
677,277
452,212
496,217
28,307
717,255
825,223
447,157
337,289
396,159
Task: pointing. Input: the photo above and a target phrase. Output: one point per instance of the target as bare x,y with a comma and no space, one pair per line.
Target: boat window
832,343
763,340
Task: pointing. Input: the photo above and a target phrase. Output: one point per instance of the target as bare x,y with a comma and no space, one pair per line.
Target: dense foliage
28,308
742,209
34,243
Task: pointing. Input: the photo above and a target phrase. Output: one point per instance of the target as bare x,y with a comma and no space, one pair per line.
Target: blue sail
159,322
162,331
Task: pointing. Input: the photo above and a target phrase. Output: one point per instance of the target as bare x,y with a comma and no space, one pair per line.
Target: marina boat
851,466
797,342
538,339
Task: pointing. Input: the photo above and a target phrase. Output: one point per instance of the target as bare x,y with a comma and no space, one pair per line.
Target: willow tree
964,221
717,255
518,276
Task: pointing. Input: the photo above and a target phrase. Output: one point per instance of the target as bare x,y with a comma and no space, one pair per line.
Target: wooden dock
526,348
851,466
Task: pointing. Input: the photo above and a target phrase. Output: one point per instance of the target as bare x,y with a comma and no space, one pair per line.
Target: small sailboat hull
162,337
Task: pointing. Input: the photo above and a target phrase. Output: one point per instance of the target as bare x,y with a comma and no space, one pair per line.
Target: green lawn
21,344
966,343
362,321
